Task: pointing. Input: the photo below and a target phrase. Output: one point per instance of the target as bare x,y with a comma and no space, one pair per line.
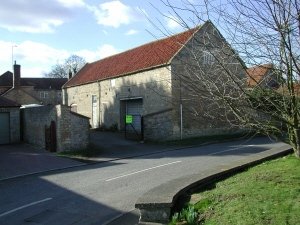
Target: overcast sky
41,33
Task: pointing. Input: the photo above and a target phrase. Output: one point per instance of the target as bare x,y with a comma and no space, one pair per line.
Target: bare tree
70,67
262,33
57,71
75,63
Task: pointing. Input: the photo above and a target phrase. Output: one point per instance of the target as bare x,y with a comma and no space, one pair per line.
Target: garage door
4,128
135,108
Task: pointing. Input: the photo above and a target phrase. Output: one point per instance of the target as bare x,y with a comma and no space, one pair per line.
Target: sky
41,33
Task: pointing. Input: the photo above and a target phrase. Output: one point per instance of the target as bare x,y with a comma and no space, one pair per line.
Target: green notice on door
128,119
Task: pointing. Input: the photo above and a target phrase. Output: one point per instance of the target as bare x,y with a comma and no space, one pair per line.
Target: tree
71,65
261,32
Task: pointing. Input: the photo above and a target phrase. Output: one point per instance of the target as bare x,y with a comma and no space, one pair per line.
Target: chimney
17,76
70,74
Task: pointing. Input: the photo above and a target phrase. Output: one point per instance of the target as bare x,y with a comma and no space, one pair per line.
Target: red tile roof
257,73
145,57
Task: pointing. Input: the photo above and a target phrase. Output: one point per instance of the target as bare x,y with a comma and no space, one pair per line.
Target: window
208,58
43,94
113,82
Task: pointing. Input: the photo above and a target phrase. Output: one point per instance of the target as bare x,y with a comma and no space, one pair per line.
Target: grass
265,194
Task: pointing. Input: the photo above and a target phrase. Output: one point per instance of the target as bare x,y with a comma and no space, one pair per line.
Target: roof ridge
149,43
140,58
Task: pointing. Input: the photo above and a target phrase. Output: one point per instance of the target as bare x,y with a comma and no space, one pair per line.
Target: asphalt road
100,193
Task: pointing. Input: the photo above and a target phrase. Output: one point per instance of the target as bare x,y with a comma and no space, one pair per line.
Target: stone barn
149,82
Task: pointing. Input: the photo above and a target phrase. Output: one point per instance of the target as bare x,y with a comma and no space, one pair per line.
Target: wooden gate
50,137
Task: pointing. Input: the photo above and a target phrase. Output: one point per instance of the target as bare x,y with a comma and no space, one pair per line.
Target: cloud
115,14
34,57
39,53
72,3
106,50
101,52
37,58
173,22
40,16
131,32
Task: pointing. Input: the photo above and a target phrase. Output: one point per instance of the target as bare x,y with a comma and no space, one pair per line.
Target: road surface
100,193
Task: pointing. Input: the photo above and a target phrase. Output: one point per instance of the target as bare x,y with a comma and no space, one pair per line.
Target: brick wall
72,130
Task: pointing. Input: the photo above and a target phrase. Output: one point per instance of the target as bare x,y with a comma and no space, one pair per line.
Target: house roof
150,55
4,102
6,80
257,73
44,83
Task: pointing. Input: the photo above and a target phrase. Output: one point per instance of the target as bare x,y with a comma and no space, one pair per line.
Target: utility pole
12,56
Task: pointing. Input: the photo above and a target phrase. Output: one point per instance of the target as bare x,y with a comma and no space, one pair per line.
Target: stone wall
28,95
193,75
14,123
152,86
72,130
159,125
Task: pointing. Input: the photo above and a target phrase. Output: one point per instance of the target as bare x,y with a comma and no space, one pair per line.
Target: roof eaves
121,75
65,84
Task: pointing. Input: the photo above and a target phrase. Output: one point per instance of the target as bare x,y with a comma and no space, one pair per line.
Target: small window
43,94
208,58
113,82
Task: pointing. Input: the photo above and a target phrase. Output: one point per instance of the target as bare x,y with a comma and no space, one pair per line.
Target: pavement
22,160
19,160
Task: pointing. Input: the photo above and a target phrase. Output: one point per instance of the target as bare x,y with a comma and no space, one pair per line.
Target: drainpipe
99,105
181,127
180,121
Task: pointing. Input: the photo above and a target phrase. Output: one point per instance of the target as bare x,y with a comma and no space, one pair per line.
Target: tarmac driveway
23,159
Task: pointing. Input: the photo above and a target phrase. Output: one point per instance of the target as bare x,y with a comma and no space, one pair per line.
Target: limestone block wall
72,130
53,96
81,98
33,124
152,86
199,117
159,125
14,119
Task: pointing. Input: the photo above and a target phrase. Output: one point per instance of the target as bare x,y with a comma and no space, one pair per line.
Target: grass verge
265,194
